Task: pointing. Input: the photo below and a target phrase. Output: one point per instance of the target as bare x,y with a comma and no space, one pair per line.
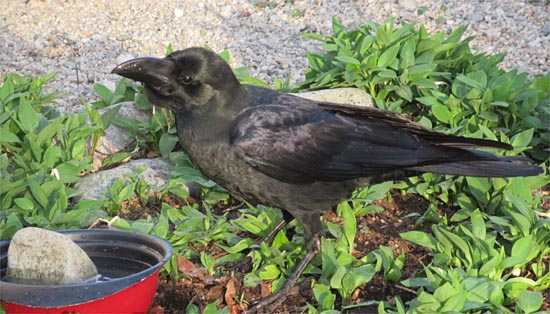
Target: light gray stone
42,257
156,172
348,95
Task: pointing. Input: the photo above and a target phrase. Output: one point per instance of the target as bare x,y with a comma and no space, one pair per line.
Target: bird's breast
220,163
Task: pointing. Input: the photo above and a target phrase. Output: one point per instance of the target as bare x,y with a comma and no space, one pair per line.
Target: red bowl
132,262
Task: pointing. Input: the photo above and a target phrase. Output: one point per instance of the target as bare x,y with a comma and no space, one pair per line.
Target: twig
406,289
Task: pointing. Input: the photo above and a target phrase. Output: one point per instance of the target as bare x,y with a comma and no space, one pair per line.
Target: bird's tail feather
508,166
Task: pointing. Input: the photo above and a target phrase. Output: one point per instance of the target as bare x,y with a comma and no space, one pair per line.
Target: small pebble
178,12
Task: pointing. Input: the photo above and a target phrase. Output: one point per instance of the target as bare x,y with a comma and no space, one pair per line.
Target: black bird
299,155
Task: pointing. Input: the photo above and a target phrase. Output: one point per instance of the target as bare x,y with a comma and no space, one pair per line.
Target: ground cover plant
432,243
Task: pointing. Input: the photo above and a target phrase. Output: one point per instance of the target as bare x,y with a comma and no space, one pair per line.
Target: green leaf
48,133
28,118
212,308
270,272
405,92
167,143
455,35
530,301
445,291
225,55
142,226
109,115
126,192
162,226
442,113
7,136
336,280
479,187
104,93
24,204
388,56
522,139
407,58
521,205
348,59
169,49
38,193
79,149
490,268
428,101
119,94
420,238
452,240
489,116
240,246
421,70
337,28
427,45
470,82
366,43
324,296
454,304
350,224
478,225
142,103
526,248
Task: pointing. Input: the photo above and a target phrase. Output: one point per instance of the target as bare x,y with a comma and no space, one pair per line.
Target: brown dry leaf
188,268
230,296
265,288
152,154
185,265
214,293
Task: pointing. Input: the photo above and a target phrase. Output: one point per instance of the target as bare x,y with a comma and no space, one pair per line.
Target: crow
299,155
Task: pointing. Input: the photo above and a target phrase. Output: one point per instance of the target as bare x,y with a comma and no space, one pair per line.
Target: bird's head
184,80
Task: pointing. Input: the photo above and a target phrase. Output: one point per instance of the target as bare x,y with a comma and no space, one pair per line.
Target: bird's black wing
299,141
407,123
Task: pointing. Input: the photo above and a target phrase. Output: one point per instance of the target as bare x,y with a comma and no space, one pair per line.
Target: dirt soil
373,230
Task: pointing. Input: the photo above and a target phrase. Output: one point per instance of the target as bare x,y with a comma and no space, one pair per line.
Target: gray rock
156,172
43,257
352,96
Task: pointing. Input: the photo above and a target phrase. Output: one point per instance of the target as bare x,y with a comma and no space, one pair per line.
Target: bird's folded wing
302,144
407,123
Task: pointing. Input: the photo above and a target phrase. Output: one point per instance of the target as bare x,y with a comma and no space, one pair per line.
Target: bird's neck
211,122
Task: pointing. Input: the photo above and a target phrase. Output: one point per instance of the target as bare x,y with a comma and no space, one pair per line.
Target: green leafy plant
42,153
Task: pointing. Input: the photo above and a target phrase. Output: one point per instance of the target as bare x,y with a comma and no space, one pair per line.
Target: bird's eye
187,80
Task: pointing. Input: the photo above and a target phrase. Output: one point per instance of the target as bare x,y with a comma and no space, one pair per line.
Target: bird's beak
154,72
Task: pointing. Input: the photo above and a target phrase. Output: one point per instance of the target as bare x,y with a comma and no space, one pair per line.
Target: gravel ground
83,40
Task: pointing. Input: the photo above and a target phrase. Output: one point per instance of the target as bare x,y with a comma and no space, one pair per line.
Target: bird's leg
312,230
